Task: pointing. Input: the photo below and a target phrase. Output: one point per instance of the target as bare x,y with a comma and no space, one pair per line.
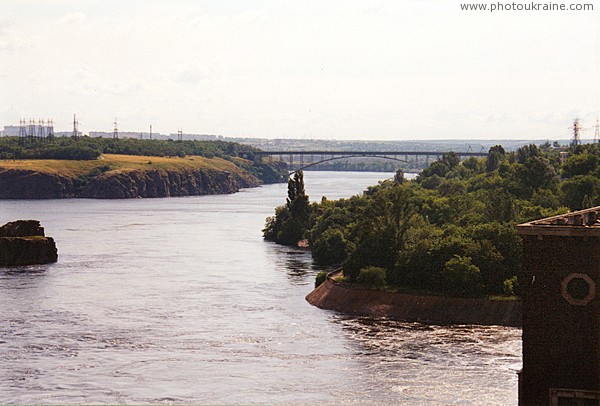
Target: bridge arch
303,167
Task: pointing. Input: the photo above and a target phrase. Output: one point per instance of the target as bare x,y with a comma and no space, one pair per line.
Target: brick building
561,310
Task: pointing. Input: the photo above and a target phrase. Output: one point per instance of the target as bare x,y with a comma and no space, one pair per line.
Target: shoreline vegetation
128,168
451,231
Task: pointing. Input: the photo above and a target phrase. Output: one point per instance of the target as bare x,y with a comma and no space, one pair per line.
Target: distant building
122,134
30,128
67,134
11,131
197,137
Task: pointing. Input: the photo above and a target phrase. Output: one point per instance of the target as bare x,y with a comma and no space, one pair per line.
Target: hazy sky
348,69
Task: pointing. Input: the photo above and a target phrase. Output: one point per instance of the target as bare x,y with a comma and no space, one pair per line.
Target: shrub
330,248
461,277
321,277
511,286
371,277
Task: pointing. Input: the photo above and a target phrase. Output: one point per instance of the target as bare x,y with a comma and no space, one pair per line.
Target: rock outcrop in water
28,184
23,242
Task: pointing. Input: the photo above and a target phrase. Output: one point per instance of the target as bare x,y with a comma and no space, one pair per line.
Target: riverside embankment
333,295
123,176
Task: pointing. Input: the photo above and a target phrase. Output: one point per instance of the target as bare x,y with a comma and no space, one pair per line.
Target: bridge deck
370,153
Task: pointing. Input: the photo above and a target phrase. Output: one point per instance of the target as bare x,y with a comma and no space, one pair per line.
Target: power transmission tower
576,130
75,127
597,131
22,131
41,129
31,129
50,129
179,135
115,131
150,131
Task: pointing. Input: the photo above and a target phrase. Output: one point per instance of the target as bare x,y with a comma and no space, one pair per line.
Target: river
179,300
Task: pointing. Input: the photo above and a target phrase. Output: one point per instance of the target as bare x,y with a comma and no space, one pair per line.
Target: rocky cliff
163,183
29,184
23,242
122,183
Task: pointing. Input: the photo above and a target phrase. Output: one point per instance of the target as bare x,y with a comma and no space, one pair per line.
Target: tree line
451,230
91,148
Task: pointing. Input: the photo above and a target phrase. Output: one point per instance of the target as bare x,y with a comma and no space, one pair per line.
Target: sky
328,69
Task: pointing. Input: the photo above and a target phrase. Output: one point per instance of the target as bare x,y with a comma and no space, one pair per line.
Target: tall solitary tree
297,200
291,221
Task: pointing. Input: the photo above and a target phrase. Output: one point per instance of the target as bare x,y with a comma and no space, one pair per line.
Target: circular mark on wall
578,288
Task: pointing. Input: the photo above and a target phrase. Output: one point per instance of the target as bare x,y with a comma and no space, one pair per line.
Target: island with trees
64,167
448,233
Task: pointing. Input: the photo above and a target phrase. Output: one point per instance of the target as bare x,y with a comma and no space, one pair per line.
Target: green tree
500,205
399,176
450,159
297,200
495,157
331,247
537,172
582,164
575,190
526,152
291,222
371,277
461,277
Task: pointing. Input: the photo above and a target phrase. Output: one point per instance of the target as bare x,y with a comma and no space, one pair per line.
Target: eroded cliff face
24,184
160,183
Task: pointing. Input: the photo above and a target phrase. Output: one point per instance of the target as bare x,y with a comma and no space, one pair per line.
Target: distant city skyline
330,69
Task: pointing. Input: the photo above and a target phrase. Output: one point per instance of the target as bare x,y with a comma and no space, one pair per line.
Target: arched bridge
306,159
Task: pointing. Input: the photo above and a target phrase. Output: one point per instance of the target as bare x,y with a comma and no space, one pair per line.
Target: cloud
135,87
72,18
11,40
189,76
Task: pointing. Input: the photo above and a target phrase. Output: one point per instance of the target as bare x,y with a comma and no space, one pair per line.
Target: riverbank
123,176
333,295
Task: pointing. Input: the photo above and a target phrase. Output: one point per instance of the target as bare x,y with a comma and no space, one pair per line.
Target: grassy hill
118,163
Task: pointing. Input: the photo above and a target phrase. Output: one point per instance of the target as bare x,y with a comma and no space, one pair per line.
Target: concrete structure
561,310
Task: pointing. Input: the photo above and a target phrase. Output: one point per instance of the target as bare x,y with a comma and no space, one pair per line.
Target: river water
179,300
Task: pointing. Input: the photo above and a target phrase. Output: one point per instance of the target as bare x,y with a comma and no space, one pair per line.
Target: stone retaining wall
332,295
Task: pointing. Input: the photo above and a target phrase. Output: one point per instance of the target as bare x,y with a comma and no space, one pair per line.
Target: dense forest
449,231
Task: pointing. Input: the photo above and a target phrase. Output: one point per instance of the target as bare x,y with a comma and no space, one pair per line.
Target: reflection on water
180,301
297,264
